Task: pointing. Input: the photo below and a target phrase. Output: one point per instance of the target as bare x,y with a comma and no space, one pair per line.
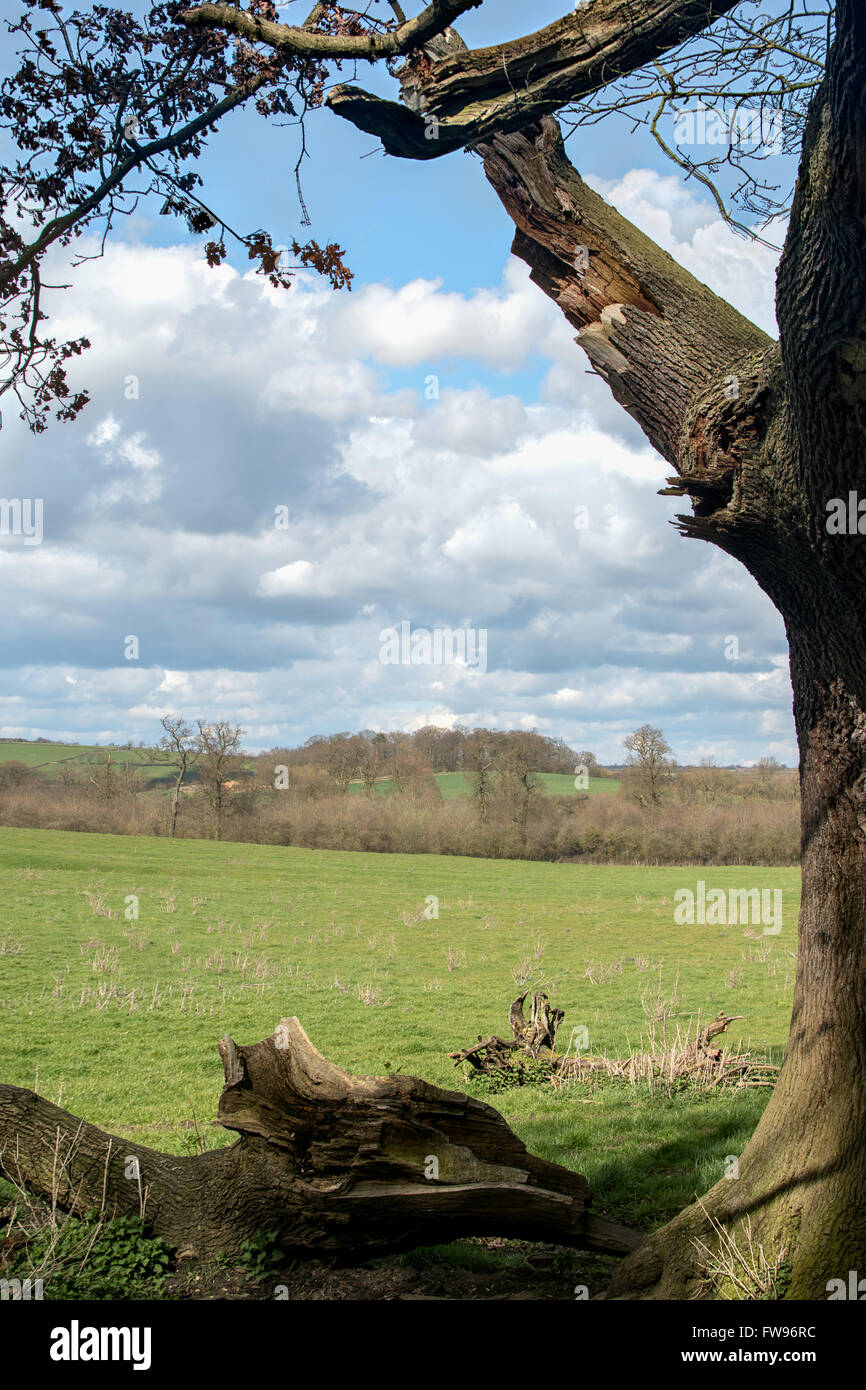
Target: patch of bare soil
477,1269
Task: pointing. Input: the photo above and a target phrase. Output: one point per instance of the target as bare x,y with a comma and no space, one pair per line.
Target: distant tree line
459,749
209,787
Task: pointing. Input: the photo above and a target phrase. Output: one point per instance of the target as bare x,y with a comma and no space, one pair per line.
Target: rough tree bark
333,1163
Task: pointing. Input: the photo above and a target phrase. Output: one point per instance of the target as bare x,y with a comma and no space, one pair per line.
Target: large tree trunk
760,470
802,1178
331,1163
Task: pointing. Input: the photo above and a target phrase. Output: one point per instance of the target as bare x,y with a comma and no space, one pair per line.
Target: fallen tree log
329,1162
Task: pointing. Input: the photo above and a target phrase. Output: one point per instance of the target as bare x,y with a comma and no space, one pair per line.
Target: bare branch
309,43
473,94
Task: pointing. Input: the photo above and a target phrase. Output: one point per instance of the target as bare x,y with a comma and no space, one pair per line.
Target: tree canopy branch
476,93
650,328
312,43
138,154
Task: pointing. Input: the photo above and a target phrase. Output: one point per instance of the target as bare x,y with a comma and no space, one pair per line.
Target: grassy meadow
118,1018
50,758
453,784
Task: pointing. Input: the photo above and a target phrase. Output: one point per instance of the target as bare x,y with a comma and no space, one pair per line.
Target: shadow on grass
645,1157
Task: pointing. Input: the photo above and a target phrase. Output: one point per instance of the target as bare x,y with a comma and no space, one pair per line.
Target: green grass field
44,755
119,1019
452,784
48,758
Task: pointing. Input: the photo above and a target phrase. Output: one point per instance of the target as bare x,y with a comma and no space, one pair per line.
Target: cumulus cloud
298,577
141,480
420,321
272,496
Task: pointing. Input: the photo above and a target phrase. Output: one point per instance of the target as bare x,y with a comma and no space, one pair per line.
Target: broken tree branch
476,93
655,333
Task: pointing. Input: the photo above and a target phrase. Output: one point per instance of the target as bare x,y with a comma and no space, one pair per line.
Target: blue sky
455,511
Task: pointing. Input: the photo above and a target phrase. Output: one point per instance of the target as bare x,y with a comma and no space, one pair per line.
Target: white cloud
456,511
420,322
143,483
298,577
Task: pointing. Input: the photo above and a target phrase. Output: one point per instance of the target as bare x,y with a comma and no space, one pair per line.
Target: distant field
43,754
454,784
47,757
119,1019
562,784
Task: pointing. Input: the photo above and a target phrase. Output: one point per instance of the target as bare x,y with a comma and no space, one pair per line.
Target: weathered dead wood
719,1024
537,1038
540,1032
351,1165
682,1060
488,1054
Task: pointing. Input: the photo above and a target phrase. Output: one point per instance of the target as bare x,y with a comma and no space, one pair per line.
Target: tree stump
540,1032
534,1039
331,1162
